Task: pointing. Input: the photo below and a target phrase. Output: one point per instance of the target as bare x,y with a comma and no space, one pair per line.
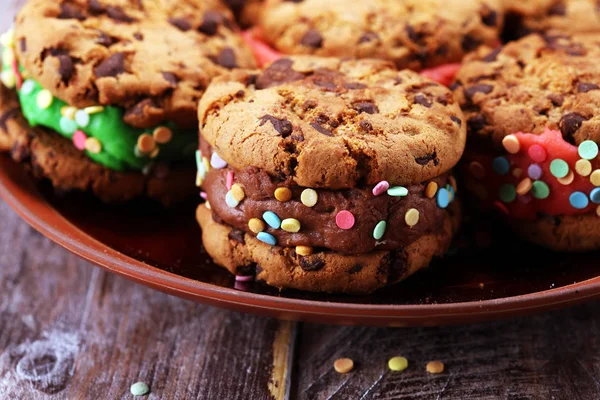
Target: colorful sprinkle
272,219
500,165
139,389
68,112
451,193
207,204
237,192
199,179
304,250
79,138
595,177
343,365
431,189
266,238
583,167
578,200
381,188
537,153
229,180
397,191
7,39
511,144
559,168
8,78
598,211
477,170
217,162
442,198
595,195
8,56
283,194
452,182
67,125
309,197
91,110
567,180
344,220
44,99
588,150
256,225
500,206
230,200
398,364
204,195
540,190
93,145
411,217
155,152
534,171
435,367
379,230
28,87
162,135
145,143
291,225
524,186
82,118
507,193
244,278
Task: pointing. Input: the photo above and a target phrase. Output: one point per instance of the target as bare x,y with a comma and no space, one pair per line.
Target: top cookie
541,81
334,124
412,33
153,58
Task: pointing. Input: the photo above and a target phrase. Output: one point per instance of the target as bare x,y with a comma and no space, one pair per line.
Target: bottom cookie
53,157
324,271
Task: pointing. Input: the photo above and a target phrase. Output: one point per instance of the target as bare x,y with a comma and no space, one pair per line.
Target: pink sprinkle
244,278
243,286
537,153
229,180
79,140
17,74
204,195
344,219
381,188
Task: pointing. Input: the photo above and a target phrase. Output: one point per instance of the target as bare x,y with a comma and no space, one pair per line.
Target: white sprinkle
231,202
139,389
82,118
28,87
217,162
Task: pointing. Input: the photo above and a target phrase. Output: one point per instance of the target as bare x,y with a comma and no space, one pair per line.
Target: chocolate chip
490,19
180,23
354,85
456,120
23,44
251,80
226,58
470,43
326,83
476,123
569,124
366,125
455,85
321,129
422,100
104,39
95,7
65,68
365,107
237,235
492,55
112,66
138,36
313,39
557,9
240,94
170,77
368,37
426,159
311,263
479,88
278,73
586,87
556,99
69,11
412,34
118,14
282,126
210,23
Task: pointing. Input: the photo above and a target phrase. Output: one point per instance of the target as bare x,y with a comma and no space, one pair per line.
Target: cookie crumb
398,363
139,389
343,365
435,367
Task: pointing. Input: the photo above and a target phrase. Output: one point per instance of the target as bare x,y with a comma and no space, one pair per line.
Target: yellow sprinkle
25,75
199,179
567,179
598,211
398,363
155,152
435,367
237,192
595,177
343,365
93,145
8,78
256,225
93,109
207,204
68,112
283,194
162,135
290,225
411,217
511,144
524,186
431,189
309,197
206,164
8,56
44,99
7,39
583,167
517,172
146,143
307,250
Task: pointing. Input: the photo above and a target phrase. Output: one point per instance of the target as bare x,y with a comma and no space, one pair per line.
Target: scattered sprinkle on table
343,365
139,389
435,367
398,363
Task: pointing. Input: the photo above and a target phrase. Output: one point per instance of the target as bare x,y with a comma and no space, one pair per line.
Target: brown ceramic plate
162,249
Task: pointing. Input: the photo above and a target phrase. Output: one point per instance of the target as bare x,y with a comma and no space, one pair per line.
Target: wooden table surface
69,330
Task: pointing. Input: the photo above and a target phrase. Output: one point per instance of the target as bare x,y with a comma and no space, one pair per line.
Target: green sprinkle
139,389
540,190
397,191
398,363
507,193
379,230
67,125
559,168
588,150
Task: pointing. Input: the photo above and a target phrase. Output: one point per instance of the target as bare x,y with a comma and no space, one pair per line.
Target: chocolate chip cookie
329,175
414,34
531,109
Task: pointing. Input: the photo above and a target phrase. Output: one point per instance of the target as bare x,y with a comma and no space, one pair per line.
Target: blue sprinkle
500,165
595,195
578,200
68,126
272,219
442,198
266,238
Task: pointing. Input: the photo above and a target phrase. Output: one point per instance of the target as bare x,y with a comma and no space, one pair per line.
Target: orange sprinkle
524,186
431,189
435,367
343,365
